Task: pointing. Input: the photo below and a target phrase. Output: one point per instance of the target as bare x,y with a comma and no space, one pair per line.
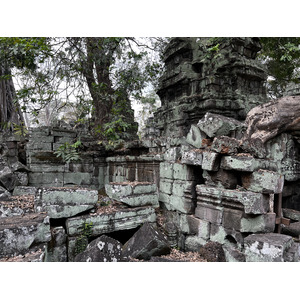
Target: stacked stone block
48,170
236,197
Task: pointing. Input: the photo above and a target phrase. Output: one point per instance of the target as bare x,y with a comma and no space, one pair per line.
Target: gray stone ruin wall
215,186
49,170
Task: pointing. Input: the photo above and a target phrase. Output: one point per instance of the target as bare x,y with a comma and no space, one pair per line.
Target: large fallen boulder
146,242
102,249
19,233
270,247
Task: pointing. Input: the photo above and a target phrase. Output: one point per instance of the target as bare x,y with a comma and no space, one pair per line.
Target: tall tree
16,53
104,74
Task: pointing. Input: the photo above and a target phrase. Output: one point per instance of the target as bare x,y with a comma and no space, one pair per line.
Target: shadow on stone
146,242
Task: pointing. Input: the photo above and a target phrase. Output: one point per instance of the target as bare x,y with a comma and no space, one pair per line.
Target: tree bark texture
9,112
270,119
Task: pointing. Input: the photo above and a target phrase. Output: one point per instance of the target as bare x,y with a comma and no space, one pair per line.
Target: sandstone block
24,190
270,247
182,204
209,213
253,203
182,172
191,157
64,202
104,223
57,247
195,137
179,187
210,161
225,145
264,181
218,125
189,224
291,214
172,154
239,163
166,170
141,200
166,185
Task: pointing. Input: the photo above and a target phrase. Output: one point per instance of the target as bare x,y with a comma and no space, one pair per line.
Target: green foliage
82,241
23,52
281,56
69,152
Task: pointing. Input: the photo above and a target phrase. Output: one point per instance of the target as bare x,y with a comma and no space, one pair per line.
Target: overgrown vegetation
83,239
69,152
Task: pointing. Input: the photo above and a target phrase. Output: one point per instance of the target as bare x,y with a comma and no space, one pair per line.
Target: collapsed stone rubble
207,174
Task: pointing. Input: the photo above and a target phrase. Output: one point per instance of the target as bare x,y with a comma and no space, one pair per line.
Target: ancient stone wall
49,170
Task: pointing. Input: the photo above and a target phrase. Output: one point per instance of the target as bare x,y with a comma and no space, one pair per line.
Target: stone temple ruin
218,164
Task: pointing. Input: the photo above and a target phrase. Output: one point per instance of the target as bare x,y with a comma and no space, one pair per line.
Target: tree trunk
10,113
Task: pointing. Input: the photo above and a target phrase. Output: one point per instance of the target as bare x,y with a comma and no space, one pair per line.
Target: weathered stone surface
191,225
239,163
57,247
233,254
119,220
195,137
182,204
7,178
172,154
180,186
133,194
4,194
19,233
194,243
46,179
102,249
191,157
293,229
226,236
166,170
117,191
217,125
24,190
263,181
291,214
222,178
210,161
254,203
261,223
146,242
270,247
166,185
64,202
225,145
141,200
209,213
182,172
